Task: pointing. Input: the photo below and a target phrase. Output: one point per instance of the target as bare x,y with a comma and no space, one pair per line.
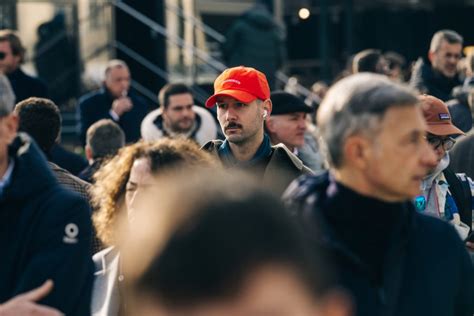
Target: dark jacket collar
263,152
18,73
30,167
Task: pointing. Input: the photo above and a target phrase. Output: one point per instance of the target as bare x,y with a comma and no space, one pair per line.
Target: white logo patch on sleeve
71,231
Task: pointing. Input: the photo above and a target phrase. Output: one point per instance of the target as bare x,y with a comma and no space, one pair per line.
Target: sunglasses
447,143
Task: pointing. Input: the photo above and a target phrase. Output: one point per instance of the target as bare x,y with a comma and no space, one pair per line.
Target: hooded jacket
392,260
45,233
204,130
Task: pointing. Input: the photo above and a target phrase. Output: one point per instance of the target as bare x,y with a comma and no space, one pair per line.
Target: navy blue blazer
96,105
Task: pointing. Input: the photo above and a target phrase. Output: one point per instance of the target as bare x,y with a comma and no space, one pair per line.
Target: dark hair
229,234
105,138
366,61
41,119
15,43
394,60
169,90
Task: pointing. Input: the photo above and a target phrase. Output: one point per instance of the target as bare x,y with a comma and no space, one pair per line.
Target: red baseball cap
242,83
437,116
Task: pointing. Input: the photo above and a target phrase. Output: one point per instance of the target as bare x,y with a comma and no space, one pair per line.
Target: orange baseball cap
242,83
437,116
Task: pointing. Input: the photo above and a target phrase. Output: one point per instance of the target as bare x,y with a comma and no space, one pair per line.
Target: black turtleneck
363,224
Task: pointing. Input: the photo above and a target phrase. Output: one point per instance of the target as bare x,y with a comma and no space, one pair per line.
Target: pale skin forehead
114,70
404,121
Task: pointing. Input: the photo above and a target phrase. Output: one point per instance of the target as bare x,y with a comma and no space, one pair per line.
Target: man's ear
431,56
88,152
357,151
267,105
11,124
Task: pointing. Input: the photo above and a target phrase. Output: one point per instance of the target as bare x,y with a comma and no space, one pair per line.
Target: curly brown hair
108,191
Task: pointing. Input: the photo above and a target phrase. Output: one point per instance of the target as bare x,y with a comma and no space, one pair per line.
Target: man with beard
242,97
178,116
439,78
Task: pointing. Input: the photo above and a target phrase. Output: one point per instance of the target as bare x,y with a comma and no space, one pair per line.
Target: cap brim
239,95
444,130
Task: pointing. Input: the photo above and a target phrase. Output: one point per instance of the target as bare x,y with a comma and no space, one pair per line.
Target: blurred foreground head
220,245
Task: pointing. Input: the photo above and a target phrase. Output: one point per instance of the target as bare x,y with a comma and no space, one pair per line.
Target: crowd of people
363,207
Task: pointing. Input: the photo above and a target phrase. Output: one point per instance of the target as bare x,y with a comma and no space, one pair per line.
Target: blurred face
288,129
270,291
179,116
400,156
382,66
9,63
117,81
446,58
240,122
139,180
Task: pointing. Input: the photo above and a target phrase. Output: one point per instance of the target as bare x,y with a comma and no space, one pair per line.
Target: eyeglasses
3,55
447,143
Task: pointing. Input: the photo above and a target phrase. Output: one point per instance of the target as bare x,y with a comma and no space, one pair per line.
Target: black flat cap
284,103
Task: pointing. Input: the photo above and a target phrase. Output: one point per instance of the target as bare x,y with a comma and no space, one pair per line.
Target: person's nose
302,124
428,156
230,114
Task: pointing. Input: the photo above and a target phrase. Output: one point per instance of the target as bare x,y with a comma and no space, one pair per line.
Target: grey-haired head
357,105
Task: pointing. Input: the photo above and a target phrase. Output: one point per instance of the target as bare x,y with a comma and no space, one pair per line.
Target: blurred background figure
117,185
396,64
114,101
103,140
288,125
439,76
370,60
179,117
12,55
461,106
318,91
56,59
256,40
259,264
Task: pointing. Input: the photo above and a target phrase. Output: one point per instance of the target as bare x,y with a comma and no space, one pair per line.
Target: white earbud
265,113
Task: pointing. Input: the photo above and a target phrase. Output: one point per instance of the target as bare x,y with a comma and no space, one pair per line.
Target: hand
24,304
122,105
470,245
